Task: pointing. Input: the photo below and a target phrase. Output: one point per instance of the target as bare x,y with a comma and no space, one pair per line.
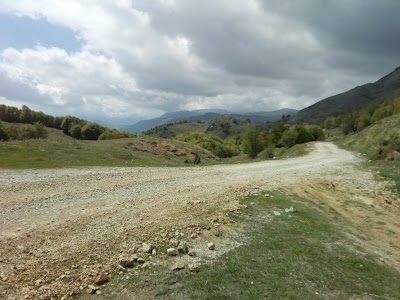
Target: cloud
143,58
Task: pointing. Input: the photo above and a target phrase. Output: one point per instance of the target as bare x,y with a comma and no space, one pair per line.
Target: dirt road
59,228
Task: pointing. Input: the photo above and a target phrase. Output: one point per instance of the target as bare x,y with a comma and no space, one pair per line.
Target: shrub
252,144
75,131
3,134
289,138
92,131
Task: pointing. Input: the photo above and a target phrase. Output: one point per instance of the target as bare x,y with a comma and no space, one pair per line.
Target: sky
126,60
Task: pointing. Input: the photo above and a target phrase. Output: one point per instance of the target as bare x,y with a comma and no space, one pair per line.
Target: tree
252,144
330,122
303,134
3,134
316,133
75,131
40,130
91,131
289,138
26,115
66,124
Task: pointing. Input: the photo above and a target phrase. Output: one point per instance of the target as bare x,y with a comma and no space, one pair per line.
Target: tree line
35,123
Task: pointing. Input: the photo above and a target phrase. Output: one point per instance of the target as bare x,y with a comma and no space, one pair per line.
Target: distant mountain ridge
207,115
357,98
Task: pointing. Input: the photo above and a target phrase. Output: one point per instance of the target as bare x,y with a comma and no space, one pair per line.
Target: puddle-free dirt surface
60,227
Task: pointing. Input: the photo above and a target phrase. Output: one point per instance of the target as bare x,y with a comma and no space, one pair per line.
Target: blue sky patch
24,32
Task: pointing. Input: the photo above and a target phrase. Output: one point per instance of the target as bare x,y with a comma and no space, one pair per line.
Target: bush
91,131
252,144
221,148
289,138
75,131
3,134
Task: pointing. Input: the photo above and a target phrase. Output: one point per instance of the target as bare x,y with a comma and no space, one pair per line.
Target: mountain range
360,97
207,115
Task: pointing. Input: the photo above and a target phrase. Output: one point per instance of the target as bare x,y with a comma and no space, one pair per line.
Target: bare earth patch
62,228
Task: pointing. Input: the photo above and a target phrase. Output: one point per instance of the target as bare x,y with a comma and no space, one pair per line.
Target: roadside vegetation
296,255
299,254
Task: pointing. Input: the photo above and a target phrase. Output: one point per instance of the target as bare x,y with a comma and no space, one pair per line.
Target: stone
178,266
140,260
91,289
154,252
174,242
172,252
127,261
194,235
146,248
393,155
195,268
101,278
192,253
183,248
211,246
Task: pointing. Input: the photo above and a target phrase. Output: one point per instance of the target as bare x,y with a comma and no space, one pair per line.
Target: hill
59,150
376,140
357,98
207,115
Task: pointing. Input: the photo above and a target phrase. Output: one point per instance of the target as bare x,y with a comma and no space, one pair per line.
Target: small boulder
101,278
393,155
172,252
140,260
127,261
195,268
183,248
91,289
178,266
211,246
146,248
192,253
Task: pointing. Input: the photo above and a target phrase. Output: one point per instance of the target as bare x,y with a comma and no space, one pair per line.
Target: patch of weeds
297,255
389,170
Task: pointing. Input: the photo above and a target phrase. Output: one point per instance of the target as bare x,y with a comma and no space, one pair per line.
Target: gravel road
60,227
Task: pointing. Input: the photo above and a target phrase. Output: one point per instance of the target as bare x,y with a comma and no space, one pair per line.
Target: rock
195,268
194,235
192,253
91,289
290,210
178,266
393,155
174,242
183,248
127,261
172,252
211,246
146,248
101,278
154,252
277,213
140,260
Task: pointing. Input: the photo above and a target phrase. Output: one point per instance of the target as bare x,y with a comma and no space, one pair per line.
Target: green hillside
59,150
376,140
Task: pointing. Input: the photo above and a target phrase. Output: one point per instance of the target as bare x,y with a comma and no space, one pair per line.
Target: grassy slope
379,136
369,140
292,256
58,150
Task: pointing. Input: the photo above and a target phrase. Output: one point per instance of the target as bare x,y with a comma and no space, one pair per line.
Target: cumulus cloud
143,58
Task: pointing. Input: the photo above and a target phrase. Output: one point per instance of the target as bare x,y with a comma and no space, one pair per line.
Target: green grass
388,170
293,256
73,153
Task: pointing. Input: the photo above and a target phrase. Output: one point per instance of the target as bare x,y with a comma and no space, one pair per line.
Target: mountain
207,115
357,98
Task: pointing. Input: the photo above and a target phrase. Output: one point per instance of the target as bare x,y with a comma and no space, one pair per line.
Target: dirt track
59,228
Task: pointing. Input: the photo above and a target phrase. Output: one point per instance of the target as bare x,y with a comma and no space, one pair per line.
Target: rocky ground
66,231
